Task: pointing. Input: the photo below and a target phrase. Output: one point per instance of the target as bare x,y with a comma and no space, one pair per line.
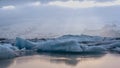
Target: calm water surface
63,61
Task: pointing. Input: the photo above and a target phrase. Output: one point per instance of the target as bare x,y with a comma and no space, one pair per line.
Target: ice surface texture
65,44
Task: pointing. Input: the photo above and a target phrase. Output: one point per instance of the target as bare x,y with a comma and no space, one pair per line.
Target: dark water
63,61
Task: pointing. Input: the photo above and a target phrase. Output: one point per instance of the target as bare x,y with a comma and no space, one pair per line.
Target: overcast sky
56,16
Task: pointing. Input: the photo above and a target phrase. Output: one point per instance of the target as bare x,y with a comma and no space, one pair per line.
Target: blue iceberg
7,51
63,44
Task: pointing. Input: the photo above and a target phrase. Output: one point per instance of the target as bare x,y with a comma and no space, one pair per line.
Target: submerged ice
64,44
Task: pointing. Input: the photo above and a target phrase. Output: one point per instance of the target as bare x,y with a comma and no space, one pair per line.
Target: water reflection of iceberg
67,59
71,59
6,63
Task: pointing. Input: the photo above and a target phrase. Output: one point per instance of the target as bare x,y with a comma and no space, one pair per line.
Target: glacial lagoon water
48,60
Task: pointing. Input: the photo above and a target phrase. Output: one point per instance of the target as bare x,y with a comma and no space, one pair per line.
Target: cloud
67,4
8,7
104,0
83,4
37,3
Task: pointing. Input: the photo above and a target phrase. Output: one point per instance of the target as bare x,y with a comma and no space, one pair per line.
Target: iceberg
59,46
62,44
22,43
109,46
7,51
95,49
117,49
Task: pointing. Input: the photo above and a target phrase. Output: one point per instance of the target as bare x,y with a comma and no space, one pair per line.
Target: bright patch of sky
84,4
9,7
